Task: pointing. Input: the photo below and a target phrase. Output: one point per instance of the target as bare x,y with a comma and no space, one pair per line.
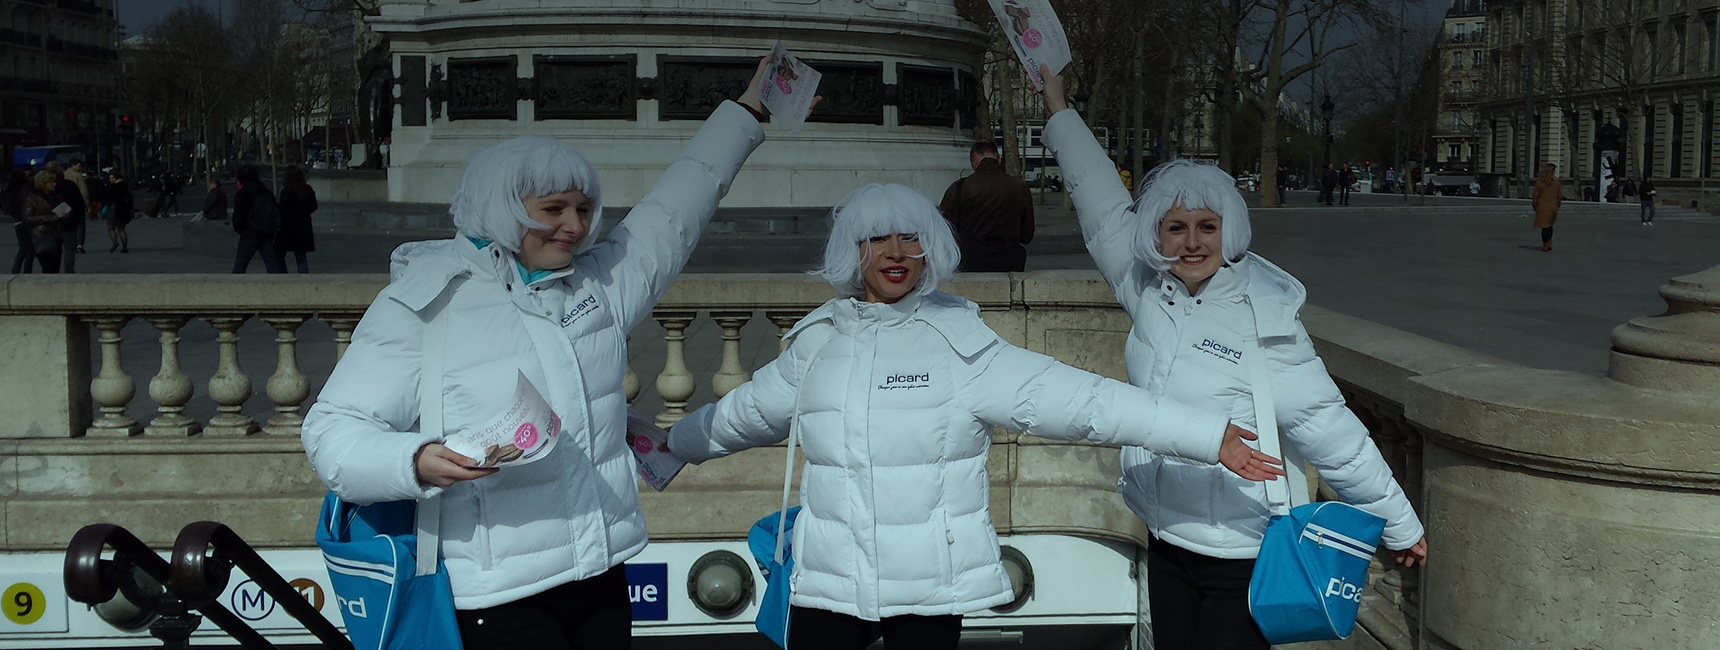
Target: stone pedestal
628,82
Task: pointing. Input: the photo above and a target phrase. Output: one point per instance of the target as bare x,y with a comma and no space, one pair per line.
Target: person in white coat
1178,261
895,389
535,552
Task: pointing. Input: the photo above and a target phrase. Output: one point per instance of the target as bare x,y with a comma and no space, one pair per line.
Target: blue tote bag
771,542
1313,563
384,559
372,553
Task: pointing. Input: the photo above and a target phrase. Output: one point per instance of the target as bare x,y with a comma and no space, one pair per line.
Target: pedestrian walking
75,174
16,192
45,218
1647,194
298,201
1546,199
1284,178
1345,179
894,389
1201,304
535,553
1328,184
256,218
214,201
70,194
170,187
991,213
117,211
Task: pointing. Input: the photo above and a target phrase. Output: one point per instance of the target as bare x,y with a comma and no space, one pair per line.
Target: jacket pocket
946,553
481,531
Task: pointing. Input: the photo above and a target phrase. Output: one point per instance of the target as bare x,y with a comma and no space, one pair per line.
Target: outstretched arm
1030,392
754,414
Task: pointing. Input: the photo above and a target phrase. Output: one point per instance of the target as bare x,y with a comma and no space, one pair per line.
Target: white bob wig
1193,186
490,203
877,210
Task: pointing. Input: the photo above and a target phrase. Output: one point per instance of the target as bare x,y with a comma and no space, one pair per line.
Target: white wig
1193,186
490,203
877,210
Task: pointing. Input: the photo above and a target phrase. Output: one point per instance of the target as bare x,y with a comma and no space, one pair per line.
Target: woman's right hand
1247,462
442,467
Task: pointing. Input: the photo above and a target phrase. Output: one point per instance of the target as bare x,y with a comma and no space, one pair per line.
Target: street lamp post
1326,108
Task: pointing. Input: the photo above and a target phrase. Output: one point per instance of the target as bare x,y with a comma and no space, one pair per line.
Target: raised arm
644,253
1033,393
1102,204
1313,417
754,414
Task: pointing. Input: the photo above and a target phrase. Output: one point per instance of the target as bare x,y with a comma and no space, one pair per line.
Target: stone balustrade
1560,507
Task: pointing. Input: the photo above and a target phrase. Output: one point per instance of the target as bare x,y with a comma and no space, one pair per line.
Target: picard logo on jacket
906,380
579,310
1220,350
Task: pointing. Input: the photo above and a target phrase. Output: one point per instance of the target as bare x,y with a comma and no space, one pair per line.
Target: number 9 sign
24,603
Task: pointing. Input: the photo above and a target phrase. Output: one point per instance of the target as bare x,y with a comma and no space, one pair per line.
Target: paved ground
1465,271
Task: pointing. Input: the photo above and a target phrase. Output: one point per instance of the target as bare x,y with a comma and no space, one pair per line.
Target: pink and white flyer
788,88
524,432
1033,28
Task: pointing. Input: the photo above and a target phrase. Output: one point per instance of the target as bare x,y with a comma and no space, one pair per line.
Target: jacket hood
419,271
1275,296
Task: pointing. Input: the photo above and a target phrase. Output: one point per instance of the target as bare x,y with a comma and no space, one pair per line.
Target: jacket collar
1274,295
956,319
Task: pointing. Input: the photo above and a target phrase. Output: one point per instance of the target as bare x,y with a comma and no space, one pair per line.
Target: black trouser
1344,195
1547,235
817,629
1200,602
25,260
586,614
264,248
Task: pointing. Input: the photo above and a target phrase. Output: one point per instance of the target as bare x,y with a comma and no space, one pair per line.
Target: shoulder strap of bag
788,469
1266,425
430,424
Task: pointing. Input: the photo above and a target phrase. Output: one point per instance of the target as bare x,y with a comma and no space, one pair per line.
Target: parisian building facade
1649,68
1462,56
59,73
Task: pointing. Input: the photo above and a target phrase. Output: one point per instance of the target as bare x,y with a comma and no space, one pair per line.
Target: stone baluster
171,388
343,327
630,383
783,321
675,385
112,389
288,387
230,386
730,374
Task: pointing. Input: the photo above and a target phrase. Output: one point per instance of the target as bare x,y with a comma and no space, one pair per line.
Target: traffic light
126,127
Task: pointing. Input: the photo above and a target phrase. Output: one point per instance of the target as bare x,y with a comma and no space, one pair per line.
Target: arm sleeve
952,199
358,434
754,414
1033,393
647,250
1026,214
1101,202
1312,415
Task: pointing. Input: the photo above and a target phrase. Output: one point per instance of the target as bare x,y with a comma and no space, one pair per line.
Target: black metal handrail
203,559
92,580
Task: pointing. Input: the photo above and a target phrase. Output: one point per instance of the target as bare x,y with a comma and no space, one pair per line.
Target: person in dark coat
69,194
252,241
1345,179
117,210
1328,184
298,201
991,213
214,202
17,190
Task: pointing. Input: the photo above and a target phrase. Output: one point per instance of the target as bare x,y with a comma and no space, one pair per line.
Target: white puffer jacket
896,406
1192,349
571,515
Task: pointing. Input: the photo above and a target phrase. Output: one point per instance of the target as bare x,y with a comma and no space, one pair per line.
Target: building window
1710,37
1453,153
1678,44
1477,58
1456,120
1457,60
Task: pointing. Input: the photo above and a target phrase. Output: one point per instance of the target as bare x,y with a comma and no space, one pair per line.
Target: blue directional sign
648,590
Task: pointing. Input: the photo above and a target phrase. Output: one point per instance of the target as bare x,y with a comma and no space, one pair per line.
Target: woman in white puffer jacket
895,389
534,553
1178,262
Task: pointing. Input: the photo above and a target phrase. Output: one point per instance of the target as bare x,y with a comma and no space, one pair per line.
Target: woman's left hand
1247,462
1413,555
751,98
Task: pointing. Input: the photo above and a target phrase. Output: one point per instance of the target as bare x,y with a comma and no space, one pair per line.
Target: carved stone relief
483,88
690,88
928,96
584,88
853,93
